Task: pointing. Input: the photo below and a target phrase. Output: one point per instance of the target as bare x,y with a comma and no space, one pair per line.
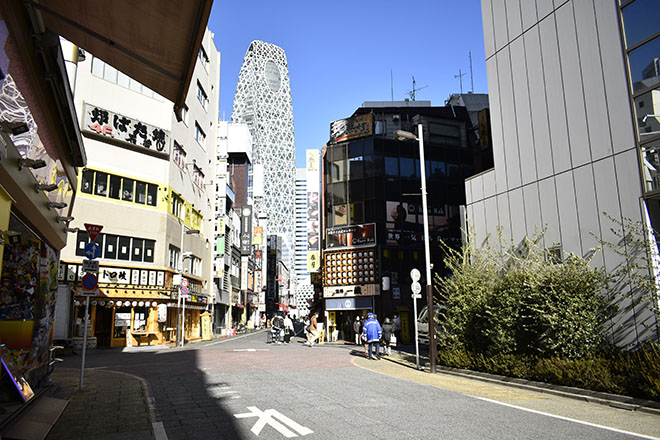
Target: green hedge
635,374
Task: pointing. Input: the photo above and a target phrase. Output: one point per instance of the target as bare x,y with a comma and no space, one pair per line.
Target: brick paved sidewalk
112,406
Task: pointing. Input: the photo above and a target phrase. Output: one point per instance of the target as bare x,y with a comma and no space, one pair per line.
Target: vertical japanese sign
246,230
313,210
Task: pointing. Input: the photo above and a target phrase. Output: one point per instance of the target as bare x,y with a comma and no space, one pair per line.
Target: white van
423,323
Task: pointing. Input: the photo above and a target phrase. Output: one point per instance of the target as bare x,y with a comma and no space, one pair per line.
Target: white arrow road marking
268,418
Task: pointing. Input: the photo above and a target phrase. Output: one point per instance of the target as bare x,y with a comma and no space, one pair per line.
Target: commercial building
148,184
263,102
573,99
372,217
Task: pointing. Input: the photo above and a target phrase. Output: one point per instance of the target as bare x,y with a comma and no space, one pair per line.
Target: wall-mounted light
57,205
64,219
67,229
31,163
11,237
14,128
45,187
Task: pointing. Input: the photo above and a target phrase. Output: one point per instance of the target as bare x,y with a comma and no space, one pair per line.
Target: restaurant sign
115,126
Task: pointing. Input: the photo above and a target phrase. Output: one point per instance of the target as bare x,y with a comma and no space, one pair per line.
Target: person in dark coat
387,335
357,328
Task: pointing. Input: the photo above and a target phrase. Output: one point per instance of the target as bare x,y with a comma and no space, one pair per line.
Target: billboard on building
313,209
346,129
258,235
351,236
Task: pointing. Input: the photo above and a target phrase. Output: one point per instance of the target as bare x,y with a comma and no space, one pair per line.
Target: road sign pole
183,323
84,347
416,335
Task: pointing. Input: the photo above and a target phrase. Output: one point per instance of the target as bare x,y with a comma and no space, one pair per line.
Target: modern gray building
263,102
571,86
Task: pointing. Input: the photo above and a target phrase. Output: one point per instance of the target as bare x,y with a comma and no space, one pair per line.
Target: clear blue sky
340,53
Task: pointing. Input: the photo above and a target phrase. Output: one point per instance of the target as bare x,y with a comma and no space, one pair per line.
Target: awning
119,293
154,42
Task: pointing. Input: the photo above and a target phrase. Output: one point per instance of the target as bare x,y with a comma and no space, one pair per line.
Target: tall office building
566,100
263,102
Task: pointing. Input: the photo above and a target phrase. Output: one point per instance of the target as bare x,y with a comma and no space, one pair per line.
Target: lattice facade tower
263,102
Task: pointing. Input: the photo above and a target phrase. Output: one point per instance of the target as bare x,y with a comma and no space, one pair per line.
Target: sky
345,52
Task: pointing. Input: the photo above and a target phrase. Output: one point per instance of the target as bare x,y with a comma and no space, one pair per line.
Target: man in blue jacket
372,333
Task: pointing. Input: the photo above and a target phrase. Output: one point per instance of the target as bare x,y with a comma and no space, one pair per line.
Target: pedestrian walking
387,336
312,332
357,328
288,328
373,332
278,329
396,328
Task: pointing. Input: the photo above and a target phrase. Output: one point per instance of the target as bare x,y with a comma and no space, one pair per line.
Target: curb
602,398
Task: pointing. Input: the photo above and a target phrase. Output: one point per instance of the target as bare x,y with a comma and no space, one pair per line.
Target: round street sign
90,281
184,282
184,291
415,275
92,250
416,287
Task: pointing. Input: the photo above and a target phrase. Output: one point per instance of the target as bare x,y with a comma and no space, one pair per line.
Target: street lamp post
433,349
181,320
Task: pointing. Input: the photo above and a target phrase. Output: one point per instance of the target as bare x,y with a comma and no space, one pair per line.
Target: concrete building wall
562,130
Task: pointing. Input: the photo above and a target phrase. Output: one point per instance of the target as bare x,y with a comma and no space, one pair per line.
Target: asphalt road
243,388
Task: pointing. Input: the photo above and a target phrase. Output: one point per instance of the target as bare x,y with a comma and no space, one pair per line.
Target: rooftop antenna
414,90
460,78
471,75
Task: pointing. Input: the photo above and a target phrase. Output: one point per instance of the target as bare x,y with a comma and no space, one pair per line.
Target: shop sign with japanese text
124,129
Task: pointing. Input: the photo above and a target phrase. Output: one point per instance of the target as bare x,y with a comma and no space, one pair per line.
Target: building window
100,189
81,241
87,181
136,253
177,205
173,254
115,187
102,70
198,177
124,251
203,57
184,115
179,155
111,246
200,136
152,194
140,192
201,96
149,246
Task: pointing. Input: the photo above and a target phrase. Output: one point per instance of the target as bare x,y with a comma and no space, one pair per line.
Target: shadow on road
189,404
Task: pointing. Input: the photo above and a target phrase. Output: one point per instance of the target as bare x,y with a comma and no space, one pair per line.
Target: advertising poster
351,236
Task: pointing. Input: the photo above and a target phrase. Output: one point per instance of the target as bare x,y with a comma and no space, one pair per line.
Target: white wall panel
627,175
477,189
561,154
533,221
614,72
572,80
585,194
549,212
499,24
523,112
492,217
479,222
607,197
528,12
496,122
592,74
543,8
517,214
511,155
489,183
489,35
539,110
468,191
504,219
568,218
513,18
